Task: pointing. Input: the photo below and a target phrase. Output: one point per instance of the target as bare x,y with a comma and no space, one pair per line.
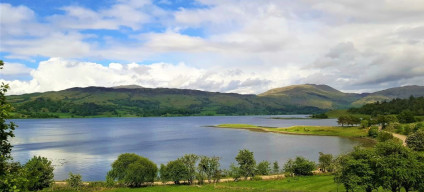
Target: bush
246,162
300,166
407,129
263,168
234,172
419,126
74,181
373,132
174,171
415,141
364,123
256,178
39,172
384,136
132,170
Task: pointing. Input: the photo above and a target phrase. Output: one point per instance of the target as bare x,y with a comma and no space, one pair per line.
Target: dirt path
401,137
264,177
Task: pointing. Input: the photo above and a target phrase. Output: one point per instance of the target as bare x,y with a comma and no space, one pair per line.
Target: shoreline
363,139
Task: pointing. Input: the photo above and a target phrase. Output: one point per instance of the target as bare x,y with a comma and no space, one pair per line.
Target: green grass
305,130
310,183
325,131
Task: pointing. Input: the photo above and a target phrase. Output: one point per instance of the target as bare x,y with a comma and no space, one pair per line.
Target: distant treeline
413,105
48,108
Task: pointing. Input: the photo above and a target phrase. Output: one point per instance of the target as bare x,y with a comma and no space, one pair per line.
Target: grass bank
307,183
304,130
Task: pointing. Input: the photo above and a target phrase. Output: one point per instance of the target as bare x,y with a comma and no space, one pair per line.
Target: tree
364,123
415,141
398,166
175,171
357,170
384,120
300,166
246,162
325,161
132,170
234,172
275,168
6,132
190,161
263,168
74,181
342,120
39,172
406,116
384,136
373,131
209,166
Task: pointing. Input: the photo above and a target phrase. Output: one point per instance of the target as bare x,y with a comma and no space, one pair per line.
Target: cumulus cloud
58,74
242,46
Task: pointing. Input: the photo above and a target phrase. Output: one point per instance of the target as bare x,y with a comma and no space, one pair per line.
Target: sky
236,46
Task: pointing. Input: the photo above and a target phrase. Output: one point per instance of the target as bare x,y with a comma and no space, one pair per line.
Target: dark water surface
89,146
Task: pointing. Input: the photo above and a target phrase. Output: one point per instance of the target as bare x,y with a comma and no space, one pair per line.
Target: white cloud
58,74
15,69
347,44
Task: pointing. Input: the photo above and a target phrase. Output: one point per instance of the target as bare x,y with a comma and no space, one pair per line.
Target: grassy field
310,183
304,130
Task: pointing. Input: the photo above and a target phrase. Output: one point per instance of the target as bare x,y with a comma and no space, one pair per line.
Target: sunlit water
89,146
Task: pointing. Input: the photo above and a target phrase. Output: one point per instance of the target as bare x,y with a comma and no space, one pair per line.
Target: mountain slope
322,96
392,93
138,101
100,101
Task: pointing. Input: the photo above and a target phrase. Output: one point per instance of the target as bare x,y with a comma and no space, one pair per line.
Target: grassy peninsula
304,130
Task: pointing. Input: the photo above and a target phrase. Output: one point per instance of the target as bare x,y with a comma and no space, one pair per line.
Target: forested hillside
136,101
142,102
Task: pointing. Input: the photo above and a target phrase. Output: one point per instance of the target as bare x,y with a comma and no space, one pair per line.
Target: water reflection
89,146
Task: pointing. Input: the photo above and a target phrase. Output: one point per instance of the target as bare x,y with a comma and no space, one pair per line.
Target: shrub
384,136
74,180
39,173
234,172
407,130
246,162
373,132
364,123
325,161
174,171
263,168
132,170
415,141
300,166
256,178
209,167
275,168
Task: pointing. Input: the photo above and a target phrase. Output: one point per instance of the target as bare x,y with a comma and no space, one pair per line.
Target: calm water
89,146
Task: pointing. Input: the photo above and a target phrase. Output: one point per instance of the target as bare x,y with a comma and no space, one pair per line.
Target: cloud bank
228,46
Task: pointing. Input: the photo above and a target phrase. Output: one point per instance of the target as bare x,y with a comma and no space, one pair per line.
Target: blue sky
213,45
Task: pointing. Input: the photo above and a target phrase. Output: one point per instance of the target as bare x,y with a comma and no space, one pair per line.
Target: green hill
100,101
321,96
133,101
392,93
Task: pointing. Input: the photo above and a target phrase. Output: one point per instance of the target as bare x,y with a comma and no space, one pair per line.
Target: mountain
392,93
321,96
101,101
133,100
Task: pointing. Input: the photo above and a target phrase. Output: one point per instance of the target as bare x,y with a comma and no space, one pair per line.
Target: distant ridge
134,100
127,87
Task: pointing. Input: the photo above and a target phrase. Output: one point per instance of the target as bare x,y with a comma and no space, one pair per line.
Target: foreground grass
304,130
310,183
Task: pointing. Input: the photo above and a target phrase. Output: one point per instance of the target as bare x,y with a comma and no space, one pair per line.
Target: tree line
403,109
